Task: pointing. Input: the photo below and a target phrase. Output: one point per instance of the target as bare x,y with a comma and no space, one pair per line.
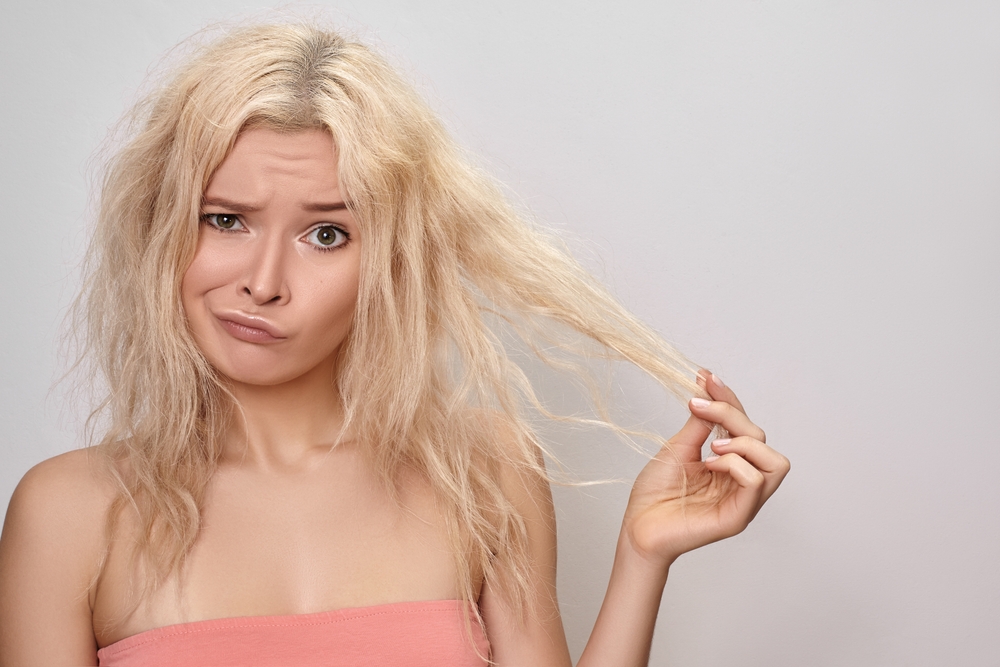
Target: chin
259,374
256,379
269,369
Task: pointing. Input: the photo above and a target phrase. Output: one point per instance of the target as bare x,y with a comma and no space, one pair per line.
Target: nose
265,280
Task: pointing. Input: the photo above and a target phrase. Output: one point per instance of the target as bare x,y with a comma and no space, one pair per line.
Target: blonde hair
443,252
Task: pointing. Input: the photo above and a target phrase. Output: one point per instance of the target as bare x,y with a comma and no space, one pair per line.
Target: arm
679,503
540,639
49,552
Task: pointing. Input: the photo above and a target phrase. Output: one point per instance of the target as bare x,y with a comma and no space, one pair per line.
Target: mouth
249,328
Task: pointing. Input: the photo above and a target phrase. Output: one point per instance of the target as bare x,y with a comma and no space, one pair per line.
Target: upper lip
252,321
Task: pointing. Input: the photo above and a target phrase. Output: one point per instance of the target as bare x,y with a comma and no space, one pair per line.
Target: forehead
264,163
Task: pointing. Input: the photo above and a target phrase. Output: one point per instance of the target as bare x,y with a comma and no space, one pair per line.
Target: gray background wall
803,196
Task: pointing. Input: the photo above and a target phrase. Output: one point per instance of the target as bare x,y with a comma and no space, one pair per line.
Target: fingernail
700,402
721,442
710,459
718,381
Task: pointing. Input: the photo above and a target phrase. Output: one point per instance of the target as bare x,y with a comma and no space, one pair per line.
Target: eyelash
206,218
322,248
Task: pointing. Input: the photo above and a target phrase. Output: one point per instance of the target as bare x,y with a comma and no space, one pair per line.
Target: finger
770,463
702,379
728,416
749,481
686,444
718,390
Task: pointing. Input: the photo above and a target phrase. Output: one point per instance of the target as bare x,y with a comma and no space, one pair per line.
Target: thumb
687,442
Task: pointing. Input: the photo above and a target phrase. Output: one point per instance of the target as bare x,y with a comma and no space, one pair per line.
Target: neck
289,425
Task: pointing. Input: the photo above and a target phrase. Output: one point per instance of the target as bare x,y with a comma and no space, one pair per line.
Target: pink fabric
405,634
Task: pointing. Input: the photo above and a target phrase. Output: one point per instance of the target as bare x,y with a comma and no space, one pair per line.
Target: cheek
339,312
335,298
211,268
208,271
192,285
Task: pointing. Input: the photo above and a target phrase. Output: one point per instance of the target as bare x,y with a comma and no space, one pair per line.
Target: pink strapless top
404,634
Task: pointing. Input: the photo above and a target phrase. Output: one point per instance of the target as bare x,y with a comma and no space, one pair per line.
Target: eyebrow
333,206
238,207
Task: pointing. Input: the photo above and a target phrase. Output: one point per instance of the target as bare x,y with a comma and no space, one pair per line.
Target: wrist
641,564
642,546
624,628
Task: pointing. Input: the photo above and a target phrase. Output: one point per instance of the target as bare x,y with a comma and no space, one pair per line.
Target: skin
270,305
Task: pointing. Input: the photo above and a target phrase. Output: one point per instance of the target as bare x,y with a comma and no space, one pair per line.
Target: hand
679,502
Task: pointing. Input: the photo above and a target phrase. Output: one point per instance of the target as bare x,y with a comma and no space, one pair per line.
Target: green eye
328,237
226,221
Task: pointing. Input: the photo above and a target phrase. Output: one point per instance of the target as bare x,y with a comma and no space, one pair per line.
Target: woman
317,450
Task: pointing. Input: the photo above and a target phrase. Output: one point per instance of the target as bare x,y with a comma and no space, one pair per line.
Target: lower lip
248,334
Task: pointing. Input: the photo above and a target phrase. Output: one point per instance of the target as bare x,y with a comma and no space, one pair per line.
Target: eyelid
323,225
206,218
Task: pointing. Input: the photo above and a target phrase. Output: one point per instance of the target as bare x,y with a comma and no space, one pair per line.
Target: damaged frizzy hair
425,380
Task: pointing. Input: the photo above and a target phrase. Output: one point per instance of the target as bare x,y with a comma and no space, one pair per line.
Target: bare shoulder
69,493
526,487
50,552
537,638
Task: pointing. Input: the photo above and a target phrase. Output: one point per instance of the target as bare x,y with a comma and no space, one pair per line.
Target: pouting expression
271,292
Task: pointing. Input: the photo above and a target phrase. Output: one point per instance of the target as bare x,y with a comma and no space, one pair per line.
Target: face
271,292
